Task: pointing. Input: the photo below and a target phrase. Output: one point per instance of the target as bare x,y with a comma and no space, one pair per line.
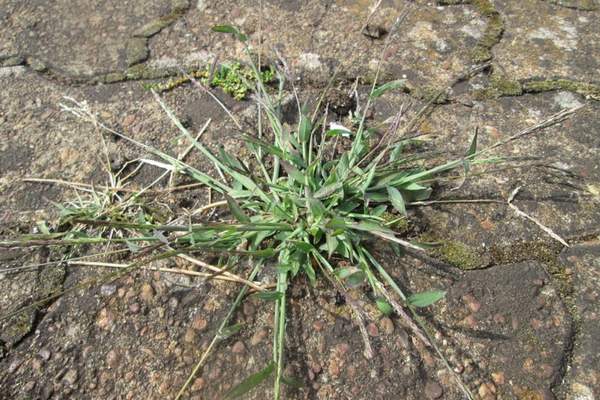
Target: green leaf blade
236,210
380,90
425,299
250,382
397,200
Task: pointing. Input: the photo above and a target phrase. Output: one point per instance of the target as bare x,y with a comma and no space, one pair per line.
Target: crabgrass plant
304,210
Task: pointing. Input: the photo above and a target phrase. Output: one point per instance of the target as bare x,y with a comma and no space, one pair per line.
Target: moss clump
506,86
37,64
540,251
11,61
459,254
398,224
141,71
232,78
456,253
451,2
50,281
589,90
17,327
430,93
179,7
136,51
584,5
113,77
500,86
493,31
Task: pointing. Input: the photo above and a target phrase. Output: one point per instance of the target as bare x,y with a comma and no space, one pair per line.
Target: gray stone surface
583,263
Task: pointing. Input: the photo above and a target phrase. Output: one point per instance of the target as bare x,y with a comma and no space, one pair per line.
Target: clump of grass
299,209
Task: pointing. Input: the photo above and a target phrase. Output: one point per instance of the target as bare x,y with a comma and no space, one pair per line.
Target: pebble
433,390
315,366
105,319
372,330
487,390
147,292
470,321
318,326
471,302
499,318
335,367
248,309
112,359
342,348
536,324
14,366
108,290
71,376
134,308
258,336
498,378
199,323
190,336
402,339
45,354
547,371
198,384
173,303
238,347
387,326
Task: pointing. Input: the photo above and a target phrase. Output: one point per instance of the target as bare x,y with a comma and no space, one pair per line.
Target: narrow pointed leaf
425,299
397,200
250,382
400,83
236,210
293,172
304,129
292,381
473,147
384,306
229,331
230,29
328,190
270,296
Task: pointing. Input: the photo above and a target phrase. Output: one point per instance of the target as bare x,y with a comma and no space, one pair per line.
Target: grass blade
426,299
397,200
236,210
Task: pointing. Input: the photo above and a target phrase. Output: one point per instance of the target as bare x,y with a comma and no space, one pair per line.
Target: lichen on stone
178,8
11,60
456,253
136,51
499,86
583,5
494,29
430,93
589,90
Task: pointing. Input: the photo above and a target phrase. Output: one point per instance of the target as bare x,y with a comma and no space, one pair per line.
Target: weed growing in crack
232,78
304,210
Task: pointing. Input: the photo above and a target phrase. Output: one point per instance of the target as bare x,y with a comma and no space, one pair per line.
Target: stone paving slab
583,378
